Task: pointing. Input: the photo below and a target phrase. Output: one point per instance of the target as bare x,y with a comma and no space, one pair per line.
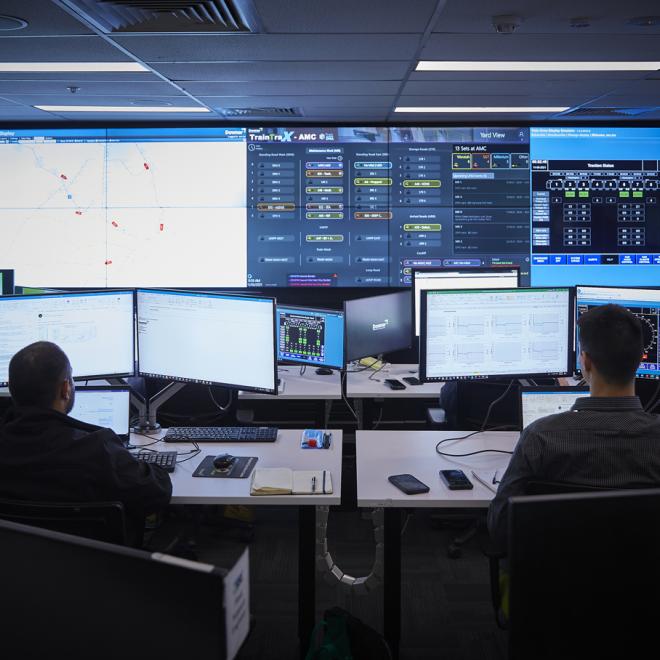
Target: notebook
285,481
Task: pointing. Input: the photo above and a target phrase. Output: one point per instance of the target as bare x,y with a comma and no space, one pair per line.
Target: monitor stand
323,371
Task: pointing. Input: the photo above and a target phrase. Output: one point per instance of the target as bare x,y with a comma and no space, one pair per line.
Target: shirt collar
608,403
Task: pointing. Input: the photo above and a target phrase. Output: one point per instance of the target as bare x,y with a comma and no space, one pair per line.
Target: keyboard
164,459
221,434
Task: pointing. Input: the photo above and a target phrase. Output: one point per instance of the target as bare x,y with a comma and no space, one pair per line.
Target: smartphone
408,484
394,384
456,480
412,380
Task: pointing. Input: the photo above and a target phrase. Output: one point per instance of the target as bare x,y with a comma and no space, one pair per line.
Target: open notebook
285,481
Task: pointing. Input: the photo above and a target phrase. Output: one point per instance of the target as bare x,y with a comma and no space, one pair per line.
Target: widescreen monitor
310,336
643,303
96,330
378,324
482,333
105,406
462,278
6,281
538,402
207,338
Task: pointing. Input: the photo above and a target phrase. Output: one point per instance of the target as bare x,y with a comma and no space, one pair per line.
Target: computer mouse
223,461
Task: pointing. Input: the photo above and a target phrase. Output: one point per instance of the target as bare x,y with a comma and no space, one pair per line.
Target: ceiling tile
85,88
329,101
537,88
541,76
59,49
344,16
74,99
270,47
43,18
299,88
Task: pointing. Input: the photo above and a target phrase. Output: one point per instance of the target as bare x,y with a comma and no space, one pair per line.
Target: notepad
285,481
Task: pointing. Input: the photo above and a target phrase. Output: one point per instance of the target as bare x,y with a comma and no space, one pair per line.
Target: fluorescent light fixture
469,110
70,67
120,108
439,65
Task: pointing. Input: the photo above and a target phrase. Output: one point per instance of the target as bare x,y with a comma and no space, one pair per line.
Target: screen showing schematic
643,303
310,336
507,332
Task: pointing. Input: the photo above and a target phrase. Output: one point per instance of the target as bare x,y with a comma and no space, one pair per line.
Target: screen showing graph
484,333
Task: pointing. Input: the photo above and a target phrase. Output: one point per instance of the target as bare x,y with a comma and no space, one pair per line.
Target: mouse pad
240,468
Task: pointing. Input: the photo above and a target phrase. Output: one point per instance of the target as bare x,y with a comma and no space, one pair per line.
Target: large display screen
327,207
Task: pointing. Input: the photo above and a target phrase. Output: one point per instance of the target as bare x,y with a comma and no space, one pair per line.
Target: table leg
306,575
392,580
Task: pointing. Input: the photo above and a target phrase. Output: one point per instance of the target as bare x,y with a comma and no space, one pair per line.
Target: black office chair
584,575
103,521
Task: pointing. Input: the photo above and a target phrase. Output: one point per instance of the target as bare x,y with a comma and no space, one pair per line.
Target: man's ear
65,390
586,363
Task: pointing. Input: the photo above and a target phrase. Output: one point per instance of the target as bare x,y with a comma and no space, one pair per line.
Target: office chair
584,575
102,521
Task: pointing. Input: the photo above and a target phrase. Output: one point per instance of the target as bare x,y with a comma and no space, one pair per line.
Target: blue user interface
643,303
310,336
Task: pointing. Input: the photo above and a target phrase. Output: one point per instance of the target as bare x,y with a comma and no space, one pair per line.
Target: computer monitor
95,329
482,333
6,281
34,290
105,406
537,402
207,338
643,303
80,590
310,336
494,277
378,324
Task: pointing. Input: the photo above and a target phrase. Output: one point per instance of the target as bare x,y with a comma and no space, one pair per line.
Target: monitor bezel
576,364
305,362
550,388
194,381
67,294
111,388
407,290
8,279
438,379
449,269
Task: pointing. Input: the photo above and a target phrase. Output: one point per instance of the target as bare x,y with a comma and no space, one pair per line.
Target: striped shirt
607,442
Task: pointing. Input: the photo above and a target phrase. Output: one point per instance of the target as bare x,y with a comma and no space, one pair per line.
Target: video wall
327,207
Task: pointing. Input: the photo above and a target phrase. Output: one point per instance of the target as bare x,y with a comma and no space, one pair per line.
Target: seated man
47,456
606,440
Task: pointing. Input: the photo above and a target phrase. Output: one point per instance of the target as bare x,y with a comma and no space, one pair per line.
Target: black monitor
378,324
484,333
310,336
6,281
70,597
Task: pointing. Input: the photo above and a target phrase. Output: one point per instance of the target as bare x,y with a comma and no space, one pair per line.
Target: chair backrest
584,574
102,521
558,488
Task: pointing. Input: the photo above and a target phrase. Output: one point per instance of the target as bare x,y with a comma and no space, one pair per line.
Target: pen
483,482
313,484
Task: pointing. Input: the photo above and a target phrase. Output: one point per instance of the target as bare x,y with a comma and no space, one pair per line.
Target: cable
343,396
382,366
653,401
377,422
225,408
303,368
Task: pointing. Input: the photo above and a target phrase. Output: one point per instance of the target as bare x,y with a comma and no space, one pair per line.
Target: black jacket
50,457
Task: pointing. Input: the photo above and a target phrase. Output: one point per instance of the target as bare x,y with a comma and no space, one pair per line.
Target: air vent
260,113
169,16
607,112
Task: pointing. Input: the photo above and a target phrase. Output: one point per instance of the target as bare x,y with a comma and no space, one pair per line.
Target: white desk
309,385
284,452
380,454
359,385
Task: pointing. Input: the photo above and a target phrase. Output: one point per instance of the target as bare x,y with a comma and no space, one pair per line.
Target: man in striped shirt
605,440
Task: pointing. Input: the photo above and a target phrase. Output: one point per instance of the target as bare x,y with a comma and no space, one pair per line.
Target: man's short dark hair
36,372
613,338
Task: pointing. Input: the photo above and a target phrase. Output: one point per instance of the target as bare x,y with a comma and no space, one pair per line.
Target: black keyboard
221,434
164,459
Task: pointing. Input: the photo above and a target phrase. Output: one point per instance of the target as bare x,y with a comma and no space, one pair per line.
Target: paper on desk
485,479
272,481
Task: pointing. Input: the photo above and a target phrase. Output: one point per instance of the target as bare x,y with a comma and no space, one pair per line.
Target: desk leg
392,580
306,575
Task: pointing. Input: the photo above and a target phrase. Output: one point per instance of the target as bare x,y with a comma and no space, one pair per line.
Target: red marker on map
162,226
146,166
78,212
64,176
108,262
114,224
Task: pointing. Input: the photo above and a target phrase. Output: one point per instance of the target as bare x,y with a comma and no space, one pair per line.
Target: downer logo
380,326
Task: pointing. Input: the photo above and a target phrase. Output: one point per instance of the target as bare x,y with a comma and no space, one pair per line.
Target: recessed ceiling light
8,23
434,65
119,108
473,109
73,67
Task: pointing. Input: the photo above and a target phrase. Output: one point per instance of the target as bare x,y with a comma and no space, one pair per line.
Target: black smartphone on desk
412,380
408,484
394,384
456,480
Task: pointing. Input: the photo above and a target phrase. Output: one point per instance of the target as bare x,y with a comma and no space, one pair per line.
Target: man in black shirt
45,455
606,440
